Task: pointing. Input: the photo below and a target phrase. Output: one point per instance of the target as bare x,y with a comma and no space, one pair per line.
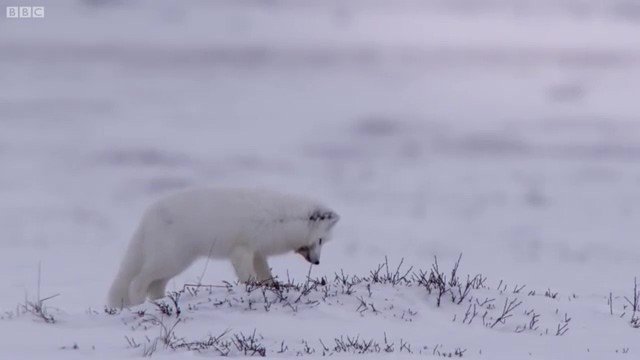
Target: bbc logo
25,12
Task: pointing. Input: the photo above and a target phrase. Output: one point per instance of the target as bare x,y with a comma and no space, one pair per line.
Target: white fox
242,225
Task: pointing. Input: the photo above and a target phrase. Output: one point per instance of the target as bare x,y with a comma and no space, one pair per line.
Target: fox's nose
317,262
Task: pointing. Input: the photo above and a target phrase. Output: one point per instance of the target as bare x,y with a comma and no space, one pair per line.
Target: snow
503,130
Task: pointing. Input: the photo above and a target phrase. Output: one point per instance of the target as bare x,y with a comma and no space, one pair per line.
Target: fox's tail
130,267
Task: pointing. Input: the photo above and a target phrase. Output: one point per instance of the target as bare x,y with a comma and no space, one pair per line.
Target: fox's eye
320,241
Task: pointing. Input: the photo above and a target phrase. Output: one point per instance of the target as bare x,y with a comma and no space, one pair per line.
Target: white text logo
25,12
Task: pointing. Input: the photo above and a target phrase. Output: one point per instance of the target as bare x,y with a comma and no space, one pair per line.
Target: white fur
245,226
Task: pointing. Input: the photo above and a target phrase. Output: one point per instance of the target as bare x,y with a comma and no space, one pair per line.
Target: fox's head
320,224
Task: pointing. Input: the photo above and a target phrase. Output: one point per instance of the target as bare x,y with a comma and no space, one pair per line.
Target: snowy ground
505,130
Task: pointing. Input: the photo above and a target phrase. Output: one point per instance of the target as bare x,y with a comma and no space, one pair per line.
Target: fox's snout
314,262
309,255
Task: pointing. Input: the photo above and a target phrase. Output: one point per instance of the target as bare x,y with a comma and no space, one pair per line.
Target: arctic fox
244,226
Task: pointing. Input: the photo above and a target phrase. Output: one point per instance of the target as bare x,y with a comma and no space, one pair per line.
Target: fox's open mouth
305,253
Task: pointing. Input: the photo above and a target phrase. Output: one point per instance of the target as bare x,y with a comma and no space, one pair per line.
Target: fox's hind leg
263,271
242,260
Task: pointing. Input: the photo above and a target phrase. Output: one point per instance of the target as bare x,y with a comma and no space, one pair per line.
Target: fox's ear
332,219
325,217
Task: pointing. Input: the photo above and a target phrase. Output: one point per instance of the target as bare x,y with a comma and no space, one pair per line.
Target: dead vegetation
470,298
37,308
627,307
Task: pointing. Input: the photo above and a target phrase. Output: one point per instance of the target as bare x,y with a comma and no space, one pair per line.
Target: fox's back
230,203
226,216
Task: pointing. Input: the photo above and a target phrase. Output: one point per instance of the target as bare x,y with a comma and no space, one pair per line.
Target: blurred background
506,130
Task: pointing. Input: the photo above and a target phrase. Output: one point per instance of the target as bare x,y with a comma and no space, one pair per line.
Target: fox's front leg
242,260
262,269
